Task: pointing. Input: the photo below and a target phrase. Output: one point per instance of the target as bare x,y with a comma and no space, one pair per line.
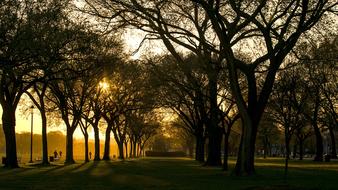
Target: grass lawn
165,173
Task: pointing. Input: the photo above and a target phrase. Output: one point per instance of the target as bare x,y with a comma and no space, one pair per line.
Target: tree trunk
246,153
214,147
106,153
126,147
301,149
250,113
8,121
215,133
139,150
287,156
333,144
199,149
265,144
131,148
69,146
86,147
253,148
142,149
318,135
97,143
121,148
44,138
319,143
134,149
226,152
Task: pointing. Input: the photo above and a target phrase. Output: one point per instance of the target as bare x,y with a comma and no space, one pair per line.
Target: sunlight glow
104,85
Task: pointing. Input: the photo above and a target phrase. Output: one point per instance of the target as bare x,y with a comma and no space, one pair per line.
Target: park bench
4,160
53,159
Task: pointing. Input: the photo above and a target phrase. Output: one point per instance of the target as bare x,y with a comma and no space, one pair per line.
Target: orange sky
23,124
132,40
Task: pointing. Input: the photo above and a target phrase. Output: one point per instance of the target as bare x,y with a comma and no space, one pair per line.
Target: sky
132,39
23,122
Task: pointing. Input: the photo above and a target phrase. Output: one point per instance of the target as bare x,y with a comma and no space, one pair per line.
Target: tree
186,136
228,113
287,106
51,19
110,115
143,18
184,94
67,96
323,76
84,125
275,25
268,133
26,28
70,89
108,54
134,132
302,134
318,62
94,106
143,125
127,91
258,21
150,129
312,110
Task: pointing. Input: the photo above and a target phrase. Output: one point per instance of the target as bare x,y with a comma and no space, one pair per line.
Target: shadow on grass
161,173
277,187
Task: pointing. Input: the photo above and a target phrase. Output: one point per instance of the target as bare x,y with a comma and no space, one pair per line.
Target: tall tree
84,125
273,25
126,92
69,89
185,95
108,53
95,109
259,21
321,63
287,105
143,125
147,17
26,28
302,134
110,115
51,19
69,99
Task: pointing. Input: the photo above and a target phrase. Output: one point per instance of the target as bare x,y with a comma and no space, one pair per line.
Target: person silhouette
55,154
90,155
60,153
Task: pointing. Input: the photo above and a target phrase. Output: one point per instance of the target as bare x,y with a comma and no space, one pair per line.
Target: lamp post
31,156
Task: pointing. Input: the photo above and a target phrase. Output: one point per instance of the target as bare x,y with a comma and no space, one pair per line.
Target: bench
53,159
4,160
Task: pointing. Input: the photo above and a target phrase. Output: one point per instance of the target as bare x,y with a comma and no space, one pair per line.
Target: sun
103,85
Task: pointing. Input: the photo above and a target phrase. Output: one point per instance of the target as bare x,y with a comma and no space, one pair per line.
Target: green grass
162,173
